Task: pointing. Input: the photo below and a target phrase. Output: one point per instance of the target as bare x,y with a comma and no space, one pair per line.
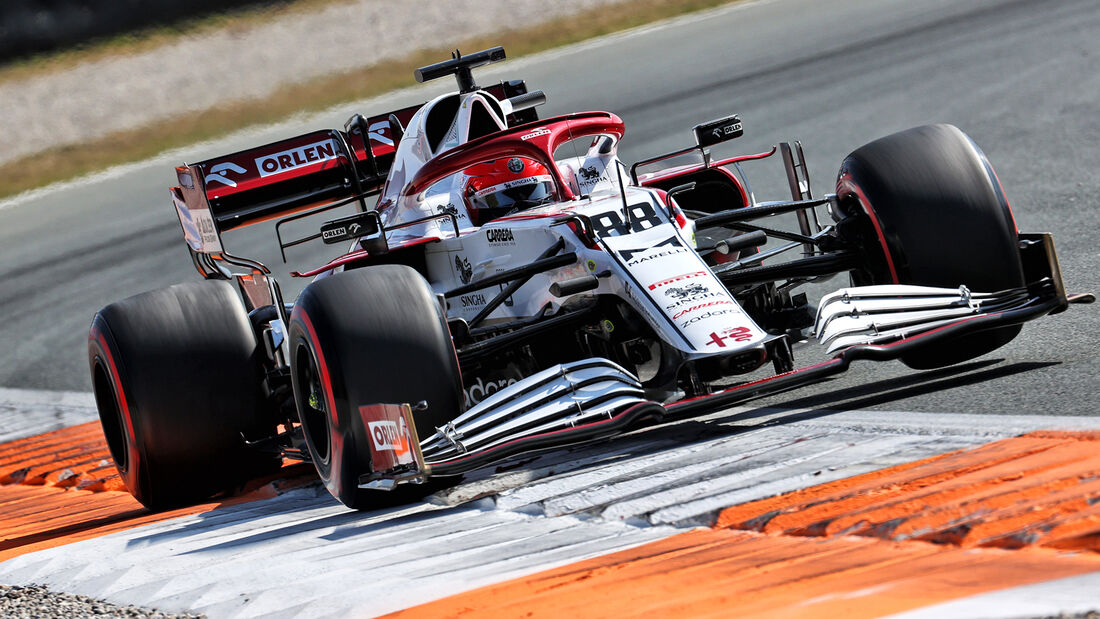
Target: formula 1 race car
516,287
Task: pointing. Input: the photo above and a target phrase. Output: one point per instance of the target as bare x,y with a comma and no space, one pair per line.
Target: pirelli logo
287,160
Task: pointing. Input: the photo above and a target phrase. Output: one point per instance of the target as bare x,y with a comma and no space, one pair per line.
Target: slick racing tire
177,379
374,335
936,216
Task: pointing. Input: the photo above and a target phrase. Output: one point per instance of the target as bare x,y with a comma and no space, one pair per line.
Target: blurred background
30,27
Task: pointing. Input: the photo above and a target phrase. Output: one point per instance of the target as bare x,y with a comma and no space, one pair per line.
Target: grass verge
67,162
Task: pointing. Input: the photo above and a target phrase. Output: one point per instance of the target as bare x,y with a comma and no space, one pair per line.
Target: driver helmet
505,186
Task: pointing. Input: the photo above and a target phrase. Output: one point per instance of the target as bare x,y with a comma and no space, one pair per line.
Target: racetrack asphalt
1018,77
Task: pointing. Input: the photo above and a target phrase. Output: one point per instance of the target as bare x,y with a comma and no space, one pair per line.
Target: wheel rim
311,404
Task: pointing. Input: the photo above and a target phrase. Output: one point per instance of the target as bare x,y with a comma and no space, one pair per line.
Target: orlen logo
387,436
534,134
678,278
277,163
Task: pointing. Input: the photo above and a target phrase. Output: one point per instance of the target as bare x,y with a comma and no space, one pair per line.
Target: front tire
369,336
177,379
936,215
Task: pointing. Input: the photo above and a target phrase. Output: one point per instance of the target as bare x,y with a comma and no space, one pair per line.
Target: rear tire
938,217
177,374
374,335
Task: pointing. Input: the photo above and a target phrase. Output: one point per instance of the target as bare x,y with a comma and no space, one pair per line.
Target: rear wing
298,173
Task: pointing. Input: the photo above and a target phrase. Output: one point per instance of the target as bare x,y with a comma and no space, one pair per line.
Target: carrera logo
678,278
500,236
534,134
295,158
701,306
386,436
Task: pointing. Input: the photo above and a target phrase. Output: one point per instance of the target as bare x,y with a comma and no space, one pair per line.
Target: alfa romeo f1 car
511,285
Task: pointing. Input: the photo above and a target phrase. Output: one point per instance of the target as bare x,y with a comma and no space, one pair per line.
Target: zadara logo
277,163
386,436
481,389
678,278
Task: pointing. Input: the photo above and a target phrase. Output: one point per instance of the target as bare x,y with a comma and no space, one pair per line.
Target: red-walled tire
177,380
374,335
937,216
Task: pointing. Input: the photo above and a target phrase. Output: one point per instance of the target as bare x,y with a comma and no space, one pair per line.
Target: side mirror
716,131
350,228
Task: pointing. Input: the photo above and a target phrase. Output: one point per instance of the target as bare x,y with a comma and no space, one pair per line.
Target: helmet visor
513,195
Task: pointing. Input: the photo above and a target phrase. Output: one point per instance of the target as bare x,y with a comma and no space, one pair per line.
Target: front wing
595,398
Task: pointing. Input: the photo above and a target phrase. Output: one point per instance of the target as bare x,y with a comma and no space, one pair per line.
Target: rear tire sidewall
176,374
937,216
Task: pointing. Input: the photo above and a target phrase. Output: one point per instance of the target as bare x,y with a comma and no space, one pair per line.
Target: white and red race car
511,285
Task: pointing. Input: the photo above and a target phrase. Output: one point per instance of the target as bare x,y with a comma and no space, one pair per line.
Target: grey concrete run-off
25,412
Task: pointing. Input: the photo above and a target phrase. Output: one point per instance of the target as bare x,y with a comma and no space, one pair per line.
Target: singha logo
589,173
465,271
691,290
450,209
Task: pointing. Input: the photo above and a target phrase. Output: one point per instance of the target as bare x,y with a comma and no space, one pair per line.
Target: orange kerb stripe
61,487
858,547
